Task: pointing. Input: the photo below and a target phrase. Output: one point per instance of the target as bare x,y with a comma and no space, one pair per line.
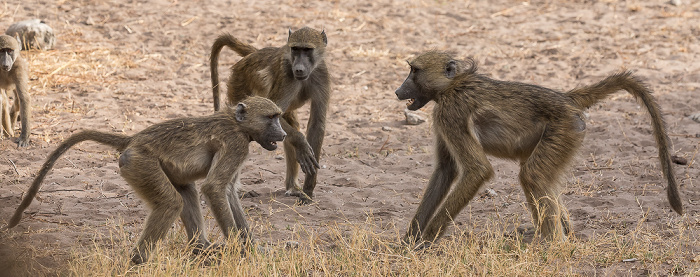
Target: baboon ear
323,36
451,69
241,111
290,34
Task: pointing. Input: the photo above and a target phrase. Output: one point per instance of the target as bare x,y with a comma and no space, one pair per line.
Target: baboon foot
250,194
203,249
138,258
303,198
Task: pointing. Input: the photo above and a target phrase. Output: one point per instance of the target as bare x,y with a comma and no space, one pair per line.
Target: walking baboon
539,127
14,76
290,76
162,162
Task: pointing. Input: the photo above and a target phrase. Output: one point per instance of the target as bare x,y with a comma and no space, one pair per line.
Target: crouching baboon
290,76
475,116
14,76
162,162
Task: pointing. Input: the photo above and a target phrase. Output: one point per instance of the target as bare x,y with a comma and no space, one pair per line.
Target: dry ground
123,65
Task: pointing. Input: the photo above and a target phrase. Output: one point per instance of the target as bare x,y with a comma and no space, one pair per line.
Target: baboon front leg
315,134
474,171
192,218
438,187
23,105
150,182
294,144
238,215
5,116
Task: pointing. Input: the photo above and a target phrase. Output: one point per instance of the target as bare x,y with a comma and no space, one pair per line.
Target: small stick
14,166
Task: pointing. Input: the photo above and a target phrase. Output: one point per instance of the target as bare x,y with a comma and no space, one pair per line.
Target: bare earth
123,65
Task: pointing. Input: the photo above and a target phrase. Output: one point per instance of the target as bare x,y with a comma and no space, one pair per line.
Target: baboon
14,76
475,116
162,162
290,76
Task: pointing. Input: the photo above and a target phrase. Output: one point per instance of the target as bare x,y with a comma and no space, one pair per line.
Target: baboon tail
236,45
586,96
117,141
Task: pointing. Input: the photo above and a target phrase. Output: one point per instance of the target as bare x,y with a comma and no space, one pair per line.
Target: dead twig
14,166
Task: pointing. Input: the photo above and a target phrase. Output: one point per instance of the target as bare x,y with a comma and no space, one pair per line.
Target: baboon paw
250,194
303,198
22,142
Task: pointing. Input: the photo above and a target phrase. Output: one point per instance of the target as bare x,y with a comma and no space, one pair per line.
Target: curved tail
117,141
236,45
586,96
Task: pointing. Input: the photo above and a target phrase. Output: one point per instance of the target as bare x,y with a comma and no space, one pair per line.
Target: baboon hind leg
541,175
147,178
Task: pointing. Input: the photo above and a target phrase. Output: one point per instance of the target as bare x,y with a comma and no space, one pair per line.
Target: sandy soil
124,65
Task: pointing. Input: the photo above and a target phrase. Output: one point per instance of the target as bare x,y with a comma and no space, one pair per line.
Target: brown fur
14,76
475,116
290,76
162,162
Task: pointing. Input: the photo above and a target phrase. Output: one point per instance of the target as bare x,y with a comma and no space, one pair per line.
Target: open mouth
410,101
268,145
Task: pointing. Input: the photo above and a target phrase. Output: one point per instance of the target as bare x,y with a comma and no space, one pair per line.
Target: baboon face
260,119
9,50
306,47
431,73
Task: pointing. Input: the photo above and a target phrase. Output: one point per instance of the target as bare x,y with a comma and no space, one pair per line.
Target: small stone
279,157
386,128
33,34
679,160
89,21
412,118
490,193
675,2
695,117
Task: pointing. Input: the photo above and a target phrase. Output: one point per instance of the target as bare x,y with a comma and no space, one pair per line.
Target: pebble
413,118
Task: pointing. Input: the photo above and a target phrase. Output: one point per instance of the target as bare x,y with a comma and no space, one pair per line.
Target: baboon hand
306,158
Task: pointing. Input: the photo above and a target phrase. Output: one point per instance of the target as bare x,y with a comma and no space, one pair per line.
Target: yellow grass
358,249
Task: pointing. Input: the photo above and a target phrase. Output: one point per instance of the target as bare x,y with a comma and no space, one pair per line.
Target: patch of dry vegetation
363,251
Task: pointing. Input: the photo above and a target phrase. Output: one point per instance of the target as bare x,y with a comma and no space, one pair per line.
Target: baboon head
431,73
306,47
9,51
260,120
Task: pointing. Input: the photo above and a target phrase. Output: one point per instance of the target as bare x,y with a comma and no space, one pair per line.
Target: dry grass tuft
359,250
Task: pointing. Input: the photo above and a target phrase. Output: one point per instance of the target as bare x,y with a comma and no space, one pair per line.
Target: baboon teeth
410,101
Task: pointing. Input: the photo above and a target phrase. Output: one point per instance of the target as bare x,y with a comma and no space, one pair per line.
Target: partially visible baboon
475,116
14,76
290,76
162,162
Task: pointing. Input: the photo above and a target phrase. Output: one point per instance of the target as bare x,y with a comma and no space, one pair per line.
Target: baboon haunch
14,76
162,162
475,116
290,76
